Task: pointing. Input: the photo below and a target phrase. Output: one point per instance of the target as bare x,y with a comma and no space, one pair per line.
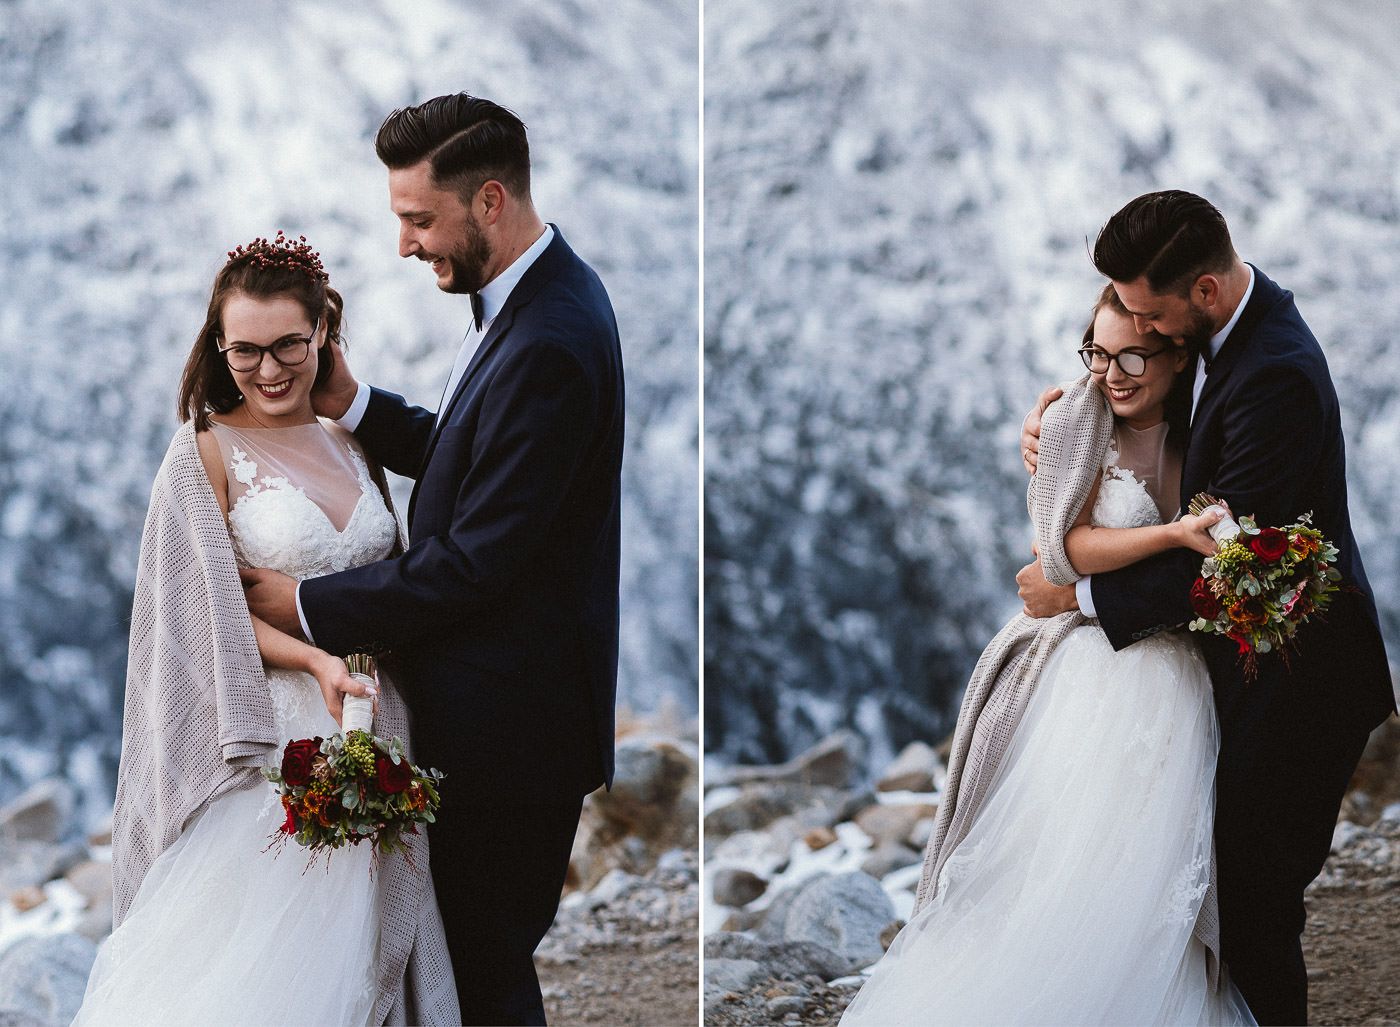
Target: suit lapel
545,268
1265,296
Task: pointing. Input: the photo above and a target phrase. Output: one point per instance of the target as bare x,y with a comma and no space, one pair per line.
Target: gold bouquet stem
362,663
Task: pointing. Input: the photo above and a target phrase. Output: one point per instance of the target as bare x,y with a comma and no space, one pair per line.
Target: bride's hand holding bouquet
1257,586
354,786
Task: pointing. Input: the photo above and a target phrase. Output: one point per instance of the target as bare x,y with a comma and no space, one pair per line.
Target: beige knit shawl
198,724
1075,435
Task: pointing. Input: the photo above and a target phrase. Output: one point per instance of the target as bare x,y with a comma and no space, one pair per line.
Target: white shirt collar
1218,339
495,292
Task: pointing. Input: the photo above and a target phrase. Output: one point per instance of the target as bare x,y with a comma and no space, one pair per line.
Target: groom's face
1178,317
438,228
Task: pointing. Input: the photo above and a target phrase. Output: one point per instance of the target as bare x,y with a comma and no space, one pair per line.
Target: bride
1069,878
210,926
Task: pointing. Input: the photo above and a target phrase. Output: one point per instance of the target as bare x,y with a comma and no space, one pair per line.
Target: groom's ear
492,197
1206,290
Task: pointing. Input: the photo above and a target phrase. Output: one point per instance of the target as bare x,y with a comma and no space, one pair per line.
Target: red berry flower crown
290,254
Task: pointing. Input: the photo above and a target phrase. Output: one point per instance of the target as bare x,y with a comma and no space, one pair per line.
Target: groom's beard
1198,332
468,262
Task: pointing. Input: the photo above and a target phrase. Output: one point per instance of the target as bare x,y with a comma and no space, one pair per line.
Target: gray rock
786,1004
772,922
887,858
43,979
854,802
40,813
831,762
734,887
1345,833
615,885
893,823
29,863
786,961
845,913
763,803
913,770
725,975
651,776
920,833
92,880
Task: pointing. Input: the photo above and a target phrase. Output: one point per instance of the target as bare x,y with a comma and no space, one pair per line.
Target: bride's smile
275,332
1126,368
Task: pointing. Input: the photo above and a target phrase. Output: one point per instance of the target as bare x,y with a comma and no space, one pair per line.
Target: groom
502,615
1265,436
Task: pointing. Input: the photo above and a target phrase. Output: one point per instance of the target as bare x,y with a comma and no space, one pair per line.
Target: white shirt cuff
1082,591
301,616
354,415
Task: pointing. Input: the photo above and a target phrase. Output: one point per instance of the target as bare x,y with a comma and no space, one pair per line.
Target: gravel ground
626,953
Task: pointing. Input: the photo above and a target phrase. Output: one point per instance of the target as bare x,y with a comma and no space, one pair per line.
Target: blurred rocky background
899,200
140,141
810,874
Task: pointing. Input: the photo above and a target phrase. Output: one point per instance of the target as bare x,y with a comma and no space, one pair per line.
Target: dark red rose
1205,602
1270,544
296,760
392,777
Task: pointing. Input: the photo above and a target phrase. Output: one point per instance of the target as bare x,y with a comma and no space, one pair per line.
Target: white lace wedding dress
1074,896
222,932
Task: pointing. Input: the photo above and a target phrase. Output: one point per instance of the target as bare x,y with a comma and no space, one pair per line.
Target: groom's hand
1040,598
332,397
1030,428
272,597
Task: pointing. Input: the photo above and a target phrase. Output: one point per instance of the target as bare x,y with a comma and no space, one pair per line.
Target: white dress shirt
493,300
1083,591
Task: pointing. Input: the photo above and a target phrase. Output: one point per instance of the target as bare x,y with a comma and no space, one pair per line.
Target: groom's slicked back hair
1171,238
466,141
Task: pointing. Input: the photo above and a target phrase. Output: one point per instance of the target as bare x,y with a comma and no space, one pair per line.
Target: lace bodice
1141,480
301,501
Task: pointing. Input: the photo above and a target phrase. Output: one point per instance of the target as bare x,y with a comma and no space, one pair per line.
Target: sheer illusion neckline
275,427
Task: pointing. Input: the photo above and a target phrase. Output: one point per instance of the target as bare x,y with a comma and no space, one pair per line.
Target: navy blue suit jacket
501,618
1266,438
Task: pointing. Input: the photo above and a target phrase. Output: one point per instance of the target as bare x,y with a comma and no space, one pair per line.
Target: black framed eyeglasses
289,352
1134,365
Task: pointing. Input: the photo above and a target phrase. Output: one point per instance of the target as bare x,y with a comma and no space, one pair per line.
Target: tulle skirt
222,932
1073,898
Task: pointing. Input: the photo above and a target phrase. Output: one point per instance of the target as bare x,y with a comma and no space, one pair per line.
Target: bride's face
274,394
1140,400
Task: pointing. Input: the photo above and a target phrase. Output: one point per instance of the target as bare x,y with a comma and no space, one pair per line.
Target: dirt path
626,954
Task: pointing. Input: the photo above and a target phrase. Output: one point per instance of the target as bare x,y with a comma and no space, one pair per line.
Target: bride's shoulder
342,437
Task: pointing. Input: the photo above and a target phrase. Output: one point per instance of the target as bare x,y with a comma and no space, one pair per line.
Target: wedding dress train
1073,898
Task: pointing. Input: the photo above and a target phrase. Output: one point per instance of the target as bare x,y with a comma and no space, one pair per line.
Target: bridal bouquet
353,786
1262,583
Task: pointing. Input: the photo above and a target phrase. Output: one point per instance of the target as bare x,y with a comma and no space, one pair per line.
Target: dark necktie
477,309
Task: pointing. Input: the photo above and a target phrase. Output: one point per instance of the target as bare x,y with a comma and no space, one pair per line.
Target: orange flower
1248,613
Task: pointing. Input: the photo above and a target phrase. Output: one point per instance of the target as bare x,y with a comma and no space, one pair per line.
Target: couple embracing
1129,821
272,549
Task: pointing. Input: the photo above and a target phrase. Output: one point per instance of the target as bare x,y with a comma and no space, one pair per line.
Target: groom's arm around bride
1264,435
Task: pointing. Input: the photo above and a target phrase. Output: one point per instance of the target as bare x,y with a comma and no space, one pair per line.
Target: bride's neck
1149,419
243,416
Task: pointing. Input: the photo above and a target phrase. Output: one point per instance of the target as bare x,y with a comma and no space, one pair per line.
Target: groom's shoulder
1281,331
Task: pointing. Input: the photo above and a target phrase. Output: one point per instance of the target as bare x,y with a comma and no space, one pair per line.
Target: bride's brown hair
261,269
